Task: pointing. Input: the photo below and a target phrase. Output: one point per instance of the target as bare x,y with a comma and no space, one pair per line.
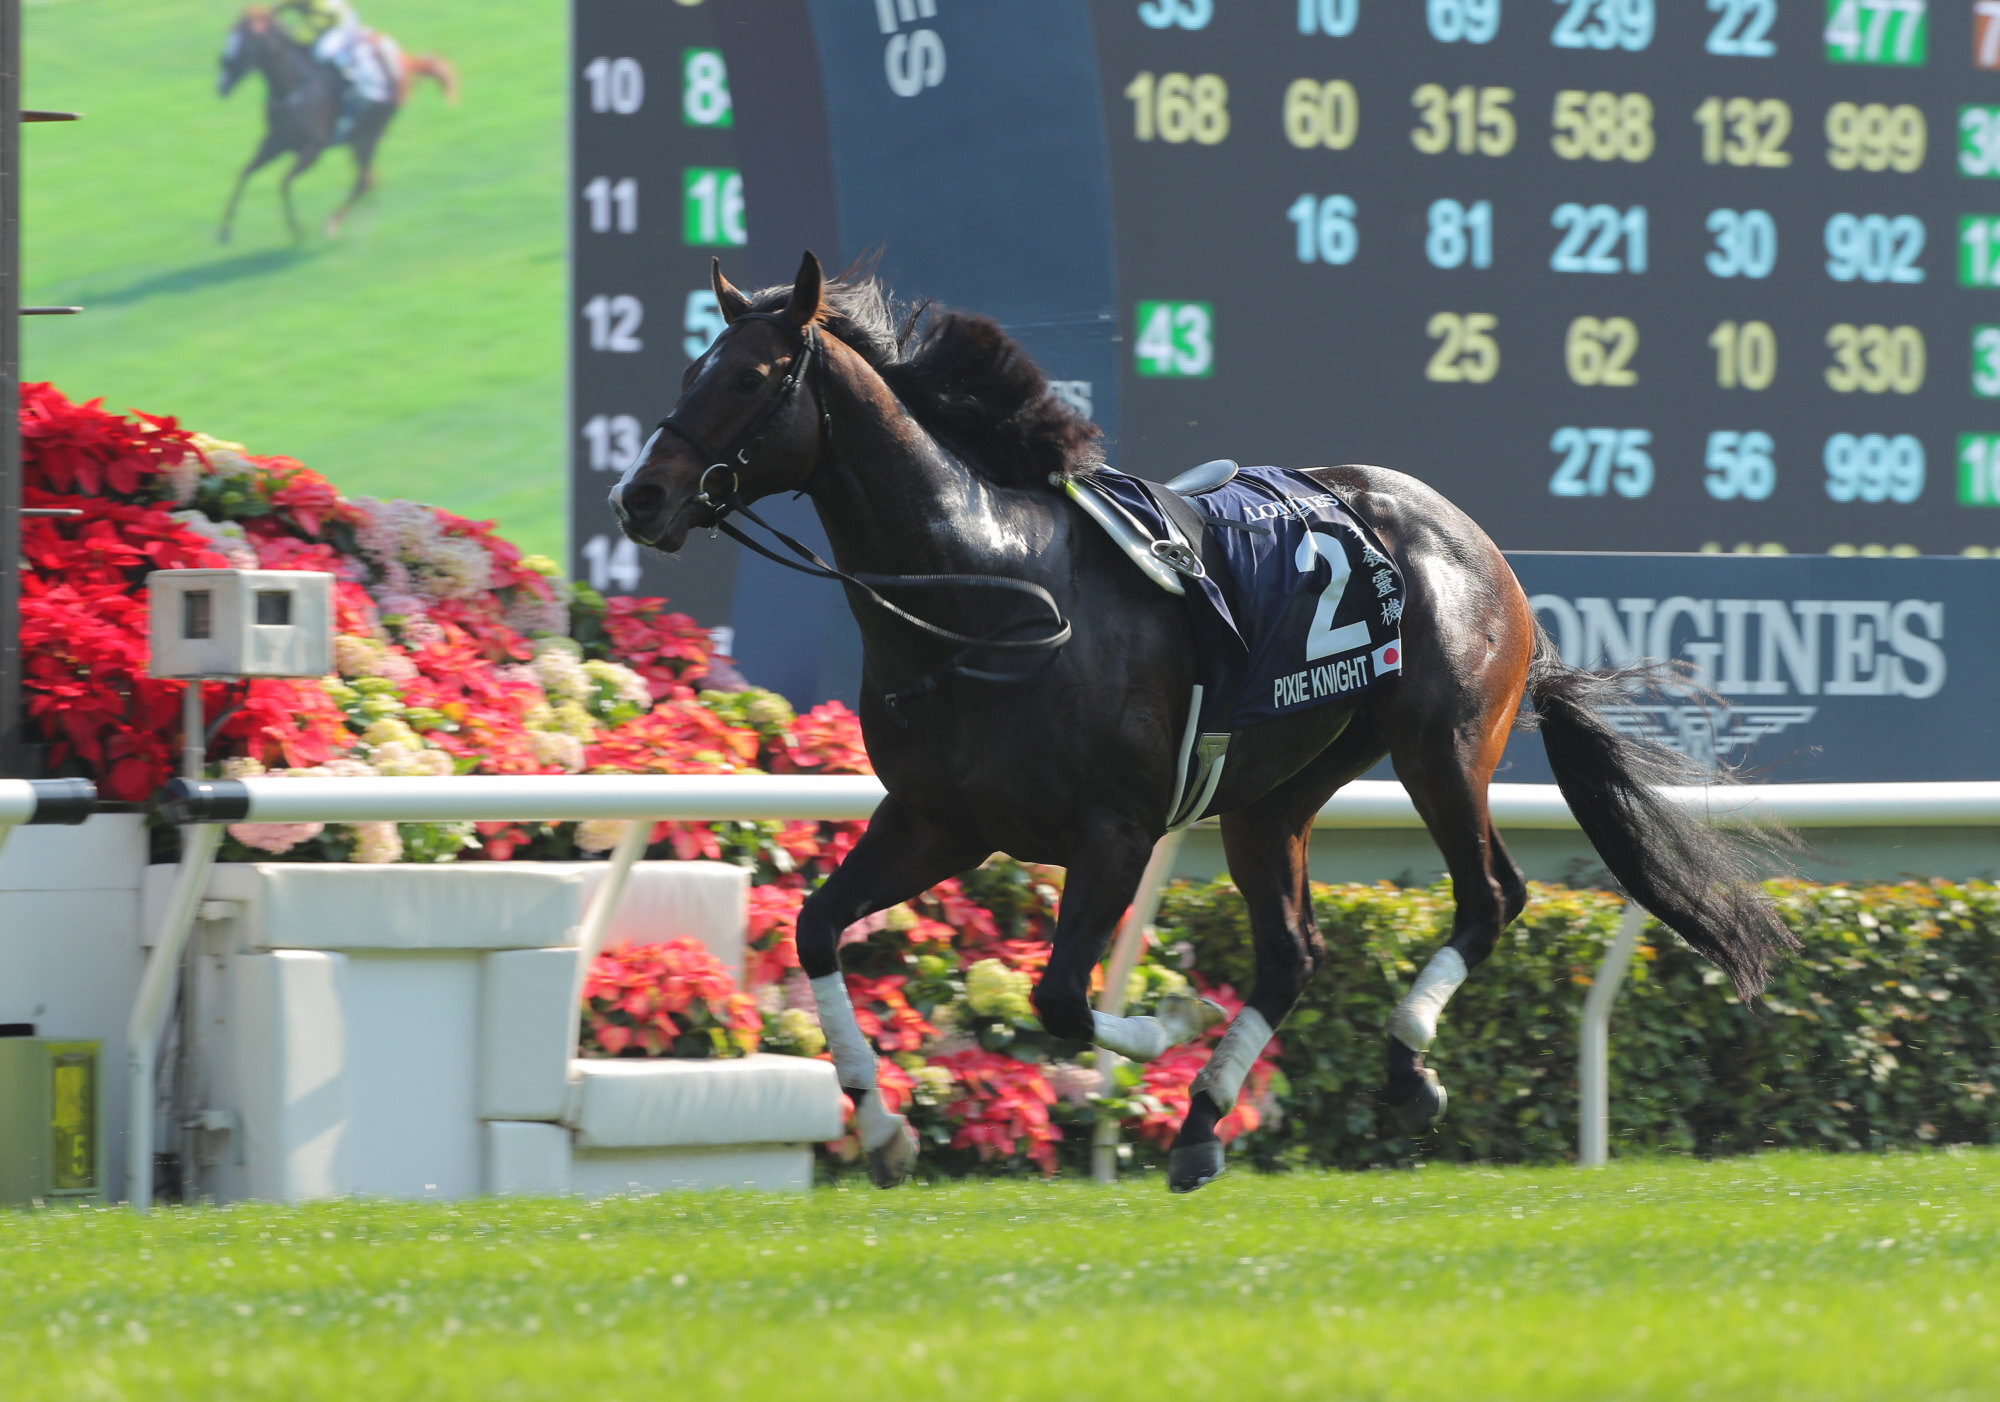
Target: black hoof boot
1416,1096
1191,1166
890,1163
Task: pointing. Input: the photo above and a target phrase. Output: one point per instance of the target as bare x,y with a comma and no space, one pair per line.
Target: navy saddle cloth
1297,605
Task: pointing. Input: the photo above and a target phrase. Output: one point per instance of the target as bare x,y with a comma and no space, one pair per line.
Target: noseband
726,501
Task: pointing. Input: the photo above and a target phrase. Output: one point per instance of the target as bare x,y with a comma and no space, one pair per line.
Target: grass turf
419,355
1782,1277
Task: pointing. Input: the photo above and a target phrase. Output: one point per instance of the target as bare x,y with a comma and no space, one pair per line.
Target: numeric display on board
705,89
1600,460
1743,29
1599,238
1322,114
1875,136
1979,469
1473,21
1605,126
1325,229
1894,32
1746,243
1178,107
1740,465
613,323
1468,352
1176,14
614,205
1598,352
1176,340
1604,24
1874,248
1744,131
1746,354
702,321
1875,359
1986,362
1334,18
712,207
1979,141
1460,235
1979,250
1986,33
1474,120
611,441
1872,467
614,567
616,85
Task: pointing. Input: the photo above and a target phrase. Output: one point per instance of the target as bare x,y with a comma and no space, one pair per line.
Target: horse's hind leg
1266,845
364,181
302,163
901,855
1446,771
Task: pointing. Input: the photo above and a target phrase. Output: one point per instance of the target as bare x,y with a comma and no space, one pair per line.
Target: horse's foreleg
1266,845
901,855
264,156
1103,874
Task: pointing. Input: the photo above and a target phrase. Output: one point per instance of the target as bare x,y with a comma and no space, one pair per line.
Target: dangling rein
737,457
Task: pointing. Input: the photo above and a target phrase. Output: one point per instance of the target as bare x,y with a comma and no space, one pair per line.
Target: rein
736,457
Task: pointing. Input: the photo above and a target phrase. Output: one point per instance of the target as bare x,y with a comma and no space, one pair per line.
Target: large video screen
1659,275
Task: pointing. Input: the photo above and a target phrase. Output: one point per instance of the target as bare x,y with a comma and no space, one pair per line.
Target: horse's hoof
1422,1105
890,1163
1186,1017
1191,1166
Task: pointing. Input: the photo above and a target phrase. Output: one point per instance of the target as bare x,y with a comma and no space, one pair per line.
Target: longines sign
1821,668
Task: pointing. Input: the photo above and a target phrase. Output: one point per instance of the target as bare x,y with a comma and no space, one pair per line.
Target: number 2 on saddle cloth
1295,605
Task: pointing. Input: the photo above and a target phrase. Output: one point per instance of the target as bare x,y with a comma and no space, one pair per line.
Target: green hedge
1884,1032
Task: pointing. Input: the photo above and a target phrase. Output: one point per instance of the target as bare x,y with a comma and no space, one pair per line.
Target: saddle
1181,552
1265,567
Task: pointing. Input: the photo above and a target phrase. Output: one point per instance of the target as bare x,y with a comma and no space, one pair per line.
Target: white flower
377,843
562,676
554,747
626,685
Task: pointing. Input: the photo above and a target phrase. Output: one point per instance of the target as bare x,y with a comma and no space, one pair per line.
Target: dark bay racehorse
302,110
928,447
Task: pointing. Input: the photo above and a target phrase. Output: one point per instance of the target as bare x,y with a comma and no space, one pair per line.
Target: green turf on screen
419,355
1782,1278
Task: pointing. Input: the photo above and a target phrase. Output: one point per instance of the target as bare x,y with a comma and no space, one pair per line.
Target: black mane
963,378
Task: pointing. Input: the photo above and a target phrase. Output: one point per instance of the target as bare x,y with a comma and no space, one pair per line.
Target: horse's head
239,48
748,420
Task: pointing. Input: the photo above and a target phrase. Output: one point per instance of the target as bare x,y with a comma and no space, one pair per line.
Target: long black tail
1702,881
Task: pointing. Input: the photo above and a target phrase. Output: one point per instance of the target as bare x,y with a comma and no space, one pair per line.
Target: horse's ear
731,302
807,291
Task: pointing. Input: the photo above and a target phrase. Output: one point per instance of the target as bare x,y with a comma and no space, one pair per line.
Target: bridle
734,459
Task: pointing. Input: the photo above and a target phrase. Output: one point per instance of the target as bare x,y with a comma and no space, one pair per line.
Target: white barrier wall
403,1031
70,957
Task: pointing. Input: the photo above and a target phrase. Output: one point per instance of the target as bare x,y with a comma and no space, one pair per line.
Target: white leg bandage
1234,1055
853,1060
1134,1038
1415,1021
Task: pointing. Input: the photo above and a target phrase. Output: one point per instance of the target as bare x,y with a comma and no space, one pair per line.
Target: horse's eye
749,379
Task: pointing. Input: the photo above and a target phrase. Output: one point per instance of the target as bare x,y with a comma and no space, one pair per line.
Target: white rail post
1111,998
1593,1136
632,844
150,1008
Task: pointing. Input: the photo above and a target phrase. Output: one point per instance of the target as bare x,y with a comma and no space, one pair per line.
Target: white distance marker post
1593,1136
1111,998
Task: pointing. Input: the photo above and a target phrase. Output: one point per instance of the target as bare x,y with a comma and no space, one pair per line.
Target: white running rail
838,798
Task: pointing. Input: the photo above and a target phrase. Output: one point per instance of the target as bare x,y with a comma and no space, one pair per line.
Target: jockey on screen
332,30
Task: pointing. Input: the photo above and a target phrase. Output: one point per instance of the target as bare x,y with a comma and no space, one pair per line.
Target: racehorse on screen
1028,690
